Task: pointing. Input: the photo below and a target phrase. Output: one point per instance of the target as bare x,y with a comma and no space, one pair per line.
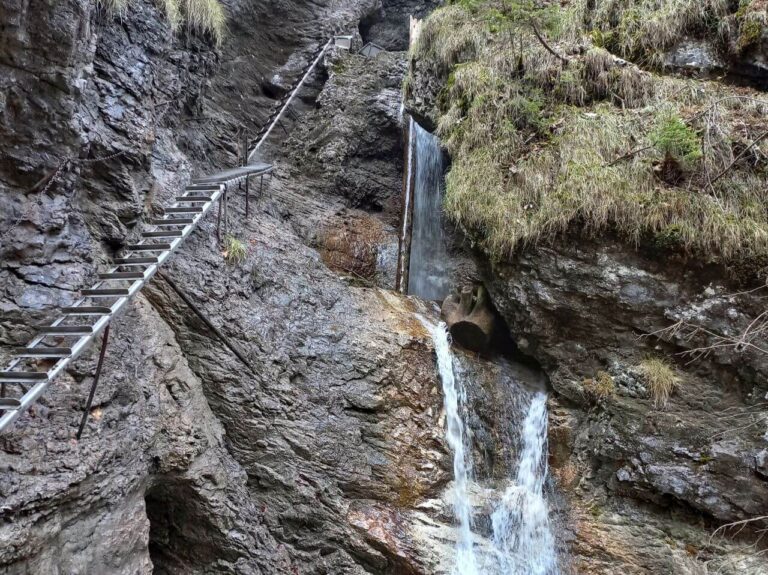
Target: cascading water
428,275
466,563
523,541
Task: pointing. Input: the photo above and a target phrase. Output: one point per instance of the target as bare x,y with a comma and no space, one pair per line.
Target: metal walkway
33,368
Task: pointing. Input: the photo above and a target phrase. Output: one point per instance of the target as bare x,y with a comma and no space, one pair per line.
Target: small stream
522,538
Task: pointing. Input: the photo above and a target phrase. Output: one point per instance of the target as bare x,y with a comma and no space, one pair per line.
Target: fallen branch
628,155
741,155
548,48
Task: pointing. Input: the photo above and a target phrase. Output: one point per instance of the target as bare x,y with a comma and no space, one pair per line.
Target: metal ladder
91,315
34,367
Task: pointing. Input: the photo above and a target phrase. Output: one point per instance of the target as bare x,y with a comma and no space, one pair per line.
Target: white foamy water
466,562
522,538
521,541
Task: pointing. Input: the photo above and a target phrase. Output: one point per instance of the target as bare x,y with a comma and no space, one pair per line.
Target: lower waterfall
522,537
466,562
521,542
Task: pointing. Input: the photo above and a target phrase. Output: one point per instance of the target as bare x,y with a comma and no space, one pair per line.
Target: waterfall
522,538
466,563
522,541
428,275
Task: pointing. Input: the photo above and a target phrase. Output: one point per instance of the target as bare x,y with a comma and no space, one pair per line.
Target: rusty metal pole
247,195
97,375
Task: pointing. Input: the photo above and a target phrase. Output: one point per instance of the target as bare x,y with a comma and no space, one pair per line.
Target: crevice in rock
182,538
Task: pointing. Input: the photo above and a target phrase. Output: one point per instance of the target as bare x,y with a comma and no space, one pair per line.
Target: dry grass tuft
540,148
202,16
661,379
206,16
641,30
601,386
113,6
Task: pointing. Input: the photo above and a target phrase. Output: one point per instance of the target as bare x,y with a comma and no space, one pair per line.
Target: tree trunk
469,318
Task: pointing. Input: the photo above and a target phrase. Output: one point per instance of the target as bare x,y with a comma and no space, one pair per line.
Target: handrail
290,99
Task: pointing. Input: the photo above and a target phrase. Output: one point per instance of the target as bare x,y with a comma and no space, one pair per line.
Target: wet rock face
588,313
388,26
315,456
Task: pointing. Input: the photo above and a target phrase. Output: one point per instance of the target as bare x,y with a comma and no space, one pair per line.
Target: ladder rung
86,310
9,404
22,376
135,261
163,234
203,186
172,222
104,292
122,276
148,247
43,351
187,210
65,329
193,199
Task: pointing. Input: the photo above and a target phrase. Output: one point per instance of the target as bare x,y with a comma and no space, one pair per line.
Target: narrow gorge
410,287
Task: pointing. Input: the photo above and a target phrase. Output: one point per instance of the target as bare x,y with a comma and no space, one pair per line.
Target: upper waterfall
428,268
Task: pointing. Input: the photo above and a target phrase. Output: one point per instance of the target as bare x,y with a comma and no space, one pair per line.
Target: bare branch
741,155
549,49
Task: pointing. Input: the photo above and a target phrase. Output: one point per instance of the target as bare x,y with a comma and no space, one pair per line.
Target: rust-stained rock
470,318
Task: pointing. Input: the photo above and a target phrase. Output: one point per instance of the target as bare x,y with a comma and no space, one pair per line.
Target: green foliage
674,138
235,251
540,148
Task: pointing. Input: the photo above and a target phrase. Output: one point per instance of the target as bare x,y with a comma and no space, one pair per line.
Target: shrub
673,138
234,250
661,379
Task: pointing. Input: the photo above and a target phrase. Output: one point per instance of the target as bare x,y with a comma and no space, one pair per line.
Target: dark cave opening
182,538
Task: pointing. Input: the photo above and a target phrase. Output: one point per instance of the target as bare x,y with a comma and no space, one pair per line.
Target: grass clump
234,250
202,16
601,386
541,147
661,379
205,16
114,6
642,30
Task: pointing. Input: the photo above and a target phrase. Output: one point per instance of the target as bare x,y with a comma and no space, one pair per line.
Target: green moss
750,33
540,148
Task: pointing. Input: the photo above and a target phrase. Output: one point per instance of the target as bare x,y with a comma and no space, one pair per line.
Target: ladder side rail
290,99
